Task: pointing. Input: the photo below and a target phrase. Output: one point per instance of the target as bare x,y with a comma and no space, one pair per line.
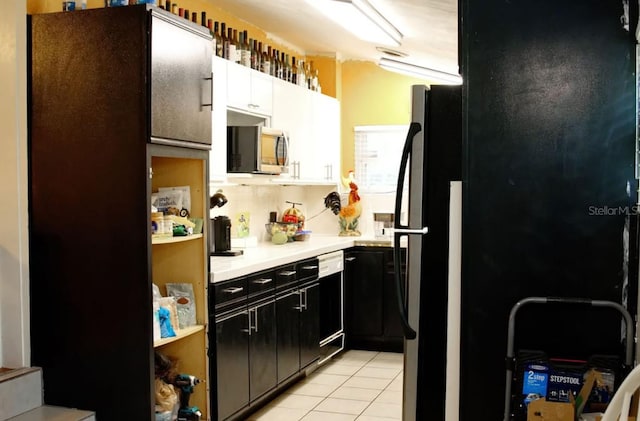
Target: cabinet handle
349,259
300,306
249,321
253,106
287,273
262,281
233,290
253,326
255,319
310,267
303,300
211,92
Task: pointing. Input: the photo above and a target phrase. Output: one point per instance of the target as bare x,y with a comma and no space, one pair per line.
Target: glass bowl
288,228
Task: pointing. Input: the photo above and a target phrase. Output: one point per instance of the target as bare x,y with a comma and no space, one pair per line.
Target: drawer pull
287,273
349,259
262,281
310,267
233,290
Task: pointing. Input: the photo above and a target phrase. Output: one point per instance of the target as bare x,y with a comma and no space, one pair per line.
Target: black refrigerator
521,182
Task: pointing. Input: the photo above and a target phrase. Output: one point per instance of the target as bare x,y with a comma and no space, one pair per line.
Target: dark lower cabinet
392,327
364,280
309,323
262,349
288,334
267,331
232,348
371,316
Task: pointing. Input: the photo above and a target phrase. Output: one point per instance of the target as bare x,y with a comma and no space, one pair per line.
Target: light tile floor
356,385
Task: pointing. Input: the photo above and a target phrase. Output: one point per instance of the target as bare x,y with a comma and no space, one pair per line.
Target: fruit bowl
288,228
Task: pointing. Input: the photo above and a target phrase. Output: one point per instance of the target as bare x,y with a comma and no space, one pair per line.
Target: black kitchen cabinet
262,348
90,143
371,316
274,334
181,82
309,323
392,326
245,336
232,347
288,332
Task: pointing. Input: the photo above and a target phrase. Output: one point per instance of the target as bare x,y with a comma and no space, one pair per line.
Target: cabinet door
288,335
232,356
262,349
392,326
310,324
325,129
291,113
218,156
181,83
238,86
364,276
249,90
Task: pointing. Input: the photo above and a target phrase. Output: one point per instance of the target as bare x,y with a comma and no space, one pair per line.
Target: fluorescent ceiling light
420,72
360,18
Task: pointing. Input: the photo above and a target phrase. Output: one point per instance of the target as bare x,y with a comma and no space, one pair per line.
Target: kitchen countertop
267,255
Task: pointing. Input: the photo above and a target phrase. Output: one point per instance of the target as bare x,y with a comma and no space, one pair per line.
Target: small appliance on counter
383,225
220,230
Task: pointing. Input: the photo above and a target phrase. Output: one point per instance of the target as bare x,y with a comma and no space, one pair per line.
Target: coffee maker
220,230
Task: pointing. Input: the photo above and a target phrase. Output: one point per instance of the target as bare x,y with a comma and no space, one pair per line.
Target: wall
259,200
14,269
371,96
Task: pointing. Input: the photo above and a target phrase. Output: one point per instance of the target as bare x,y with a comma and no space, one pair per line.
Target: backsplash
255,202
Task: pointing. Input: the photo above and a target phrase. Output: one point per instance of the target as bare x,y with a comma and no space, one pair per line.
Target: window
378,150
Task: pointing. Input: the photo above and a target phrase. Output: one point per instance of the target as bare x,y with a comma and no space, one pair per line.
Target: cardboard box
543,410
546,410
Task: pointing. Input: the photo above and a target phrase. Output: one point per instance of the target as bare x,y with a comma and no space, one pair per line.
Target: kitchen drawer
261,283
307,269
230,293
286,277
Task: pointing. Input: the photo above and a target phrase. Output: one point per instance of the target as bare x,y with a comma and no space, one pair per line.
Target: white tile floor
356,385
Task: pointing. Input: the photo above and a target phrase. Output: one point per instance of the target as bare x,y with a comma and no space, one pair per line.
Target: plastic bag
168,316
169,202
185,303
185,210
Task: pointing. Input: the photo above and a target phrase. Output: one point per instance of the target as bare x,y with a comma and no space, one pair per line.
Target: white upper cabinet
291,112
249,90
312,121
325,114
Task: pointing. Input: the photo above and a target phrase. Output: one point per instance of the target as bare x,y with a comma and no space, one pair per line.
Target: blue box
534,382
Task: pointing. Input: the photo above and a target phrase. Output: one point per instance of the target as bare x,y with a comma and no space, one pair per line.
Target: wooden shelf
168,240
180,333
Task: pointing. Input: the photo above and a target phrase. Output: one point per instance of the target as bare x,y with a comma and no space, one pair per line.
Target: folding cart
512,360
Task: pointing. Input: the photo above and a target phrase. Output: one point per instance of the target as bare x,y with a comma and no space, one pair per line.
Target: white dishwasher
331,304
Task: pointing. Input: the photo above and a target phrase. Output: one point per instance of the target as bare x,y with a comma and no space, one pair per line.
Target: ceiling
429,28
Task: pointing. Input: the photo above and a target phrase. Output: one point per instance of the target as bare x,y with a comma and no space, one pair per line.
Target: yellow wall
329,74
371,96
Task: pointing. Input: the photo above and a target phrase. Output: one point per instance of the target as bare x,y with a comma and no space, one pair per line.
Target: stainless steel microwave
257,149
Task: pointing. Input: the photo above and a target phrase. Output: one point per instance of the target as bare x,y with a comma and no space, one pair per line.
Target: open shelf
169,240
180,333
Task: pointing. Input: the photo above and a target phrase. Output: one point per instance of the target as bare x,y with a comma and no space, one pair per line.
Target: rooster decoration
348,215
